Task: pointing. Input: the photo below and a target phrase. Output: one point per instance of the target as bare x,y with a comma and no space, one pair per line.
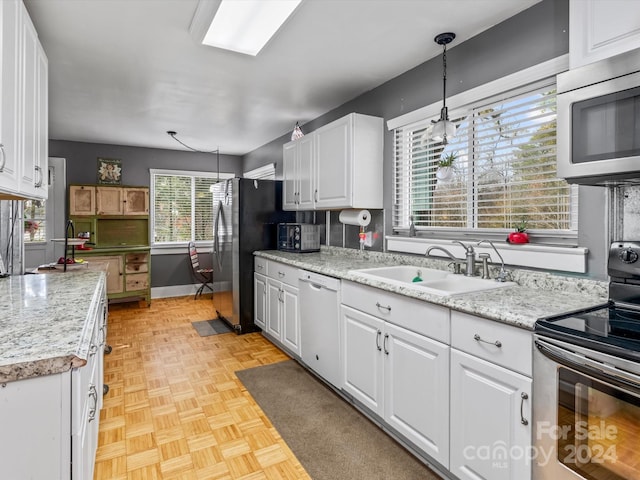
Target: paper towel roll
362,218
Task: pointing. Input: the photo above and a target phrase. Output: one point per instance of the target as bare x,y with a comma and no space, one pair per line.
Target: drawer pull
281,274
93,349
478,338
382,307
523,397
378,340
259,267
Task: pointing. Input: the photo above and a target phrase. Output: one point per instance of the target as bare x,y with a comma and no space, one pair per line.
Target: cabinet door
416,385
290,185
306,155
42,123
333,164
362,339
109,201
290,319
82,200
136,201
30,174
274,300
115,276
488,438
9,97
259,300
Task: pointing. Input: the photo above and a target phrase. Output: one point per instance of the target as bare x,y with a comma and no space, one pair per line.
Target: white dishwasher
319,324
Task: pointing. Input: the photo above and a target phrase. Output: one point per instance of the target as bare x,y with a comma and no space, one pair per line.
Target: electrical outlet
368,239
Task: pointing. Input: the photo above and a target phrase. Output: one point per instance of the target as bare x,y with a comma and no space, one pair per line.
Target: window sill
179,249
566,259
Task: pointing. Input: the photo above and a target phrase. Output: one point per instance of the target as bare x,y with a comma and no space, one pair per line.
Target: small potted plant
445,166
520,235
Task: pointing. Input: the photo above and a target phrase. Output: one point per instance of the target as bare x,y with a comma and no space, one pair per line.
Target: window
182,206
35,222
503,170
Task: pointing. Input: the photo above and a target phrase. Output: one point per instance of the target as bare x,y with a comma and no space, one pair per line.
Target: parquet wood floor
175,409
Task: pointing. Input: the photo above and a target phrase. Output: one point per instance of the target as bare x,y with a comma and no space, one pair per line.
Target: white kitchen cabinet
298,160
10,16
56,415
399,374
489,407
282,318
24,116
337,166
602,28
260,300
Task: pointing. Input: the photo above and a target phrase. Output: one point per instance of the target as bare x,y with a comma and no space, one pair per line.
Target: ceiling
126,71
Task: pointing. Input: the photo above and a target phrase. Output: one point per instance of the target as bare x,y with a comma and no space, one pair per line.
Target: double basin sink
437,282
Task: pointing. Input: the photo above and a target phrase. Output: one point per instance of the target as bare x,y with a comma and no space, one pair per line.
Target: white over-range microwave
599,122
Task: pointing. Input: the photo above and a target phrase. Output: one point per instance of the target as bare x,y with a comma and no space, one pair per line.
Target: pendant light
443,129
173,134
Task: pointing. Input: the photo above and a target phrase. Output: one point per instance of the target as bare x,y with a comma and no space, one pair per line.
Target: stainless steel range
587,383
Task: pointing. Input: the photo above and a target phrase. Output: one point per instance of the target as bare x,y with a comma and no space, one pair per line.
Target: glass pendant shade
442,128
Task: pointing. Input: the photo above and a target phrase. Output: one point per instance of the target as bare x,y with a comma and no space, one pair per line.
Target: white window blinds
182,207
503,170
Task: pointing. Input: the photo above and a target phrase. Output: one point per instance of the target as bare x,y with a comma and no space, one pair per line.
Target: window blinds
504,169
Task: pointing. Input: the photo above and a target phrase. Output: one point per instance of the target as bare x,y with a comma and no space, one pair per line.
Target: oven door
586,414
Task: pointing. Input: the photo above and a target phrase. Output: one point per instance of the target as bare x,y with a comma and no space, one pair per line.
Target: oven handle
588,366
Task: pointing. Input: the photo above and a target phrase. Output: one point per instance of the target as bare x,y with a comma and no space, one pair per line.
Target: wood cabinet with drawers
117,219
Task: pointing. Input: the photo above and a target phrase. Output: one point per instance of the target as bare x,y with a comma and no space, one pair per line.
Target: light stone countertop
536,295
46,322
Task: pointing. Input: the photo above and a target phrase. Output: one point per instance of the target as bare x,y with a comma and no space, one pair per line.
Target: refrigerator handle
216,237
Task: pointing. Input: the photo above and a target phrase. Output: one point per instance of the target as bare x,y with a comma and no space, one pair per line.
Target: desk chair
203,275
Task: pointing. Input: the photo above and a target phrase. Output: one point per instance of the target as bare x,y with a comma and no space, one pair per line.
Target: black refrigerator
246,217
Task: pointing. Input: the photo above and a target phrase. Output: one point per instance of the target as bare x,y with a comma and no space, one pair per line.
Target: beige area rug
331,439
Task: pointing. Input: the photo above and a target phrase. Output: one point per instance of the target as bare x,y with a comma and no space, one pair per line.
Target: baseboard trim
186,290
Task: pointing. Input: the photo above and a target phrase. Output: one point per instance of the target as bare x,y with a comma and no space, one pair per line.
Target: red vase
518,237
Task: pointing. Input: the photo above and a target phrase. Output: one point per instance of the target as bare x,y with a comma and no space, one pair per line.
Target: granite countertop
46,322
536,295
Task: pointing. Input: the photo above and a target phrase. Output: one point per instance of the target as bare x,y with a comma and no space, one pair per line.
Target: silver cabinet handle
315,195
260,267
382,307
93,349
523,397
386,337
378,340
478,338
280,295
281,274
4,158
38,184
93,393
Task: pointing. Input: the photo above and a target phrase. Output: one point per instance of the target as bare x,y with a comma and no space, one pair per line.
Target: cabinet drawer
415,315
137,281
284,273
260,265
478,336
136,267
136,257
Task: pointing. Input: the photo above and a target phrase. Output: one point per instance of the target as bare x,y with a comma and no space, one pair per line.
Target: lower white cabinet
259,300
401,376
277,312
490,420
55,417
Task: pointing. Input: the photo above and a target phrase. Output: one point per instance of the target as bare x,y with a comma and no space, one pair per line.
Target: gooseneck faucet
502,274
456,261
470,256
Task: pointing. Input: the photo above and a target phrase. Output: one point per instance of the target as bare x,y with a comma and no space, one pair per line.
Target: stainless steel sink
437,282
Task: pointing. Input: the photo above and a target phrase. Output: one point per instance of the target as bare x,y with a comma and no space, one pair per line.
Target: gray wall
534,36
166,270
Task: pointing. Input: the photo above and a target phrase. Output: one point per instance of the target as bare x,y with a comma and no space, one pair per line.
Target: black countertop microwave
598,133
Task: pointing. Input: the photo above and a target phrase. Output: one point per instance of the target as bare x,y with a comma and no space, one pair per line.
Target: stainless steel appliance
599,122
246,216
586,371
298,237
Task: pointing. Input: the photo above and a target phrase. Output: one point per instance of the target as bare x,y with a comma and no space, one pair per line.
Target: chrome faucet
502,274
470,256
456,261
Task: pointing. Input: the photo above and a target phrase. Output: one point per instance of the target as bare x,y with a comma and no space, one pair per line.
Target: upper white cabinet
337,166
602,28
24,132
